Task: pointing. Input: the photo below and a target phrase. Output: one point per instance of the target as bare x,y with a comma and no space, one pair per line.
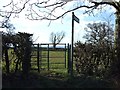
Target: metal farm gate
45,57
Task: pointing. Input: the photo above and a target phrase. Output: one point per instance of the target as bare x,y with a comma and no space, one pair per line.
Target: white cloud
40,28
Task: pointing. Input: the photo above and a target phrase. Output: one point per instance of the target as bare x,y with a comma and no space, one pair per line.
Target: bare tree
99,34
47,9
11,9
56,38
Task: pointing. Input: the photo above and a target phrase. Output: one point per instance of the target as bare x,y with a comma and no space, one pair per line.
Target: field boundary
45,52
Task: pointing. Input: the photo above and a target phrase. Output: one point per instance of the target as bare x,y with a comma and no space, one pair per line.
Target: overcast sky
41,31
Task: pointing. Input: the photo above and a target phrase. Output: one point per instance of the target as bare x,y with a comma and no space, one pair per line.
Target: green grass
56,60
56,77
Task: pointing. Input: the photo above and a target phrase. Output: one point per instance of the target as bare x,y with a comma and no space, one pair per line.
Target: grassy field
56,77
57,61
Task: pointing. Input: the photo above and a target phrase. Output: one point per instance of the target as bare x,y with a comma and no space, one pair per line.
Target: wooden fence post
38,57
48,57
69,55
68,58
70,63
65,55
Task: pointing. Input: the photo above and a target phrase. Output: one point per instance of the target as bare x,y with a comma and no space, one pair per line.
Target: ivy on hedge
21,43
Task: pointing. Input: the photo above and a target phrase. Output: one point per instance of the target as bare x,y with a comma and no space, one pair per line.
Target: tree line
21,44
96,56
